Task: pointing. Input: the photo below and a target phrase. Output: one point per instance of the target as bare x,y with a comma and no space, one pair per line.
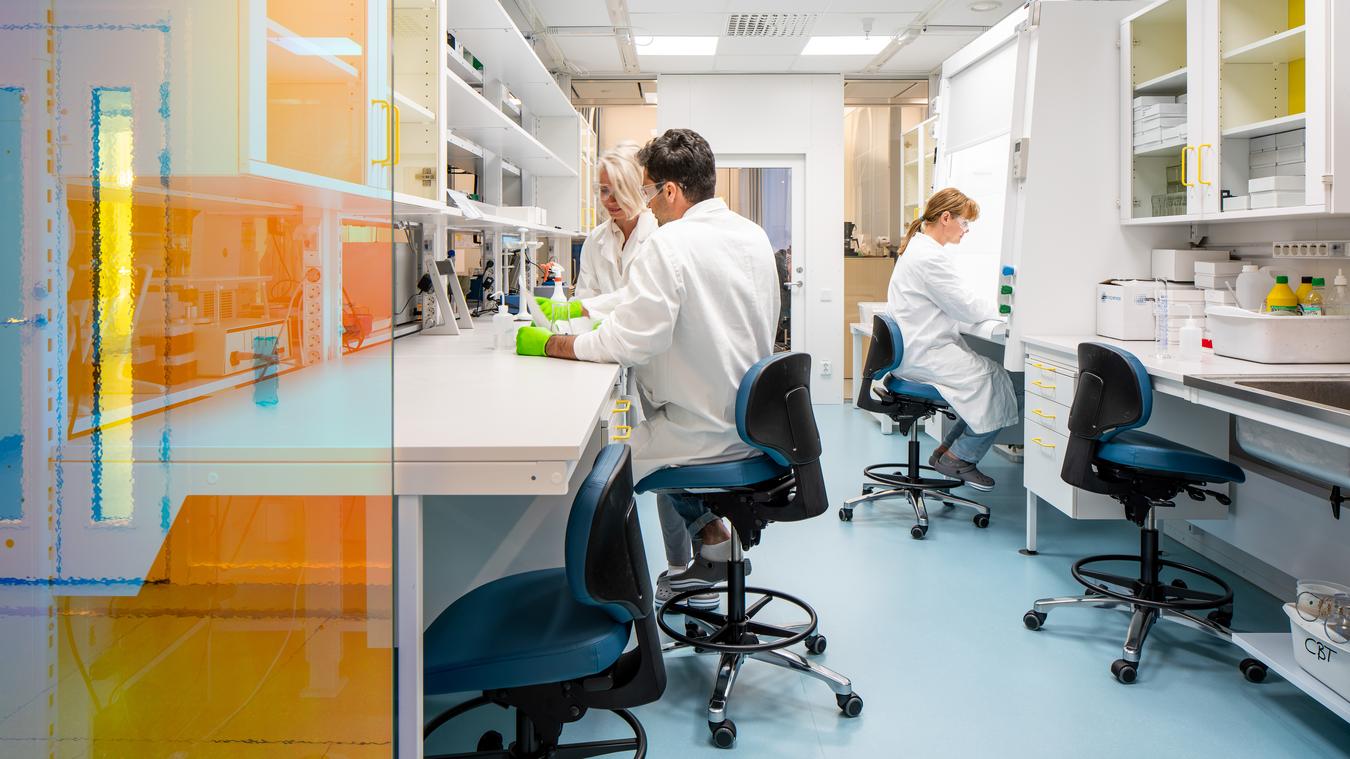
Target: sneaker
701,574
965,471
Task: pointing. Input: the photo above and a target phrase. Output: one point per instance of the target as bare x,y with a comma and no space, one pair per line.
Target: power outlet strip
1307,249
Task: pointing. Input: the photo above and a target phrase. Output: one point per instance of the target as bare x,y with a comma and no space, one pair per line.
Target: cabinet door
1161,84
319,71
1265,127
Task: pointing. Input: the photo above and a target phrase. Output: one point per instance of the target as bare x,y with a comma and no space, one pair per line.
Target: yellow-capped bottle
1280,299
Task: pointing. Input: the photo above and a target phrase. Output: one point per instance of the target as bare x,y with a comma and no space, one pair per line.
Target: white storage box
1266,184
1283,170
1318,656
1236,203
1125,309
1270,339
1218,268
1264,143
1148,100
1277,199
1217,297
1212,282
1262,159
1289,155
1159,109
1179,265
1291,139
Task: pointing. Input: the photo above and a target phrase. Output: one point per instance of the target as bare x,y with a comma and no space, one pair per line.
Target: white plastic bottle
1252,286
1336,300
503,326
559,298
1192,338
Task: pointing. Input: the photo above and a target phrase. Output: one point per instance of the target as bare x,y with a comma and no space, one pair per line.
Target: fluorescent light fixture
331,46
985,6
676,45
845,45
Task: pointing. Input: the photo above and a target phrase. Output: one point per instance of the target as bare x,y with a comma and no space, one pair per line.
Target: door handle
624,435
797,283
388,159
1044,367
398,135
1042,414
1042,443
1200,163
1184,173
1042,385
622,406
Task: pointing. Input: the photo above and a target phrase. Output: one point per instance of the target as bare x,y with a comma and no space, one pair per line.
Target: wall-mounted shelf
1171,83
462,68
484,27
1169,149
1263,128
1277,48
474,118
413,112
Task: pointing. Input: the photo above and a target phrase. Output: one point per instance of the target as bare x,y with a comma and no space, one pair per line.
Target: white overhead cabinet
918,152
1229,110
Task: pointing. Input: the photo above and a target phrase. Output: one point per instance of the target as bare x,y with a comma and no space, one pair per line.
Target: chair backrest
605,560
1113,394
774,414
887,348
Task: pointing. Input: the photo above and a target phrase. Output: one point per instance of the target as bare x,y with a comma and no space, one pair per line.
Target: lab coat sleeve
945,287
586,286
642,326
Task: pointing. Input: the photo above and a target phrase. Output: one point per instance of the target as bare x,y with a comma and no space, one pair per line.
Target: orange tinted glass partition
196,547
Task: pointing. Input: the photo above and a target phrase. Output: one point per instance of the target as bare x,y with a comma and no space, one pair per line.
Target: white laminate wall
784,116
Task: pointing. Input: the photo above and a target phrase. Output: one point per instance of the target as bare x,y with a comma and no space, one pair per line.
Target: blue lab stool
783,484
906,403
550,643
1108,454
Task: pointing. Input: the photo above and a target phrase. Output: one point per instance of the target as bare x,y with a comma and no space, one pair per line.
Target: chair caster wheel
1126,672
815,644
1180,583
723,733
868,489
948,505
1223,617
850,705
981,521
1033,619
491,741
846,515
1253,670
918,531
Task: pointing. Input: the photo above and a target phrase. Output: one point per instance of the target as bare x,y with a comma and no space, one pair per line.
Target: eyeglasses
650,191
964,223
602,190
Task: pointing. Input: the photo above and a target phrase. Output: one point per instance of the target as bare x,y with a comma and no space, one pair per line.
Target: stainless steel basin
1327,391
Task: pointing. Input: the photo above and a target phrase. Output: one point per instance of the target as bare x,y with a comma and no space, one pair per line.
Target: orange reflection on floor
265,630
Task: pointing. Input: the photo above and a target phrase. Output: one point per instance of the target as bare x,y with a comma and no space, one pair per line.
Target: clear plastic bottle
1312,303
1336,301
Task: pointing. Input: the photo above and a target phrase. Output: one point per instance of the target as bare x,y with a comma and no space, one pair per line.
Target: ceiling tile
687,6
753,64
790,46
851,24
926,53
678,24
572,12
960,13
592,54
676,64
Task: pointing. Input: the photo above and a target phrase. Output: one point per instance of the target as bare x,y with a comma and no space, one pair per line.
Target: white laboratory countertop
436,399
1176,370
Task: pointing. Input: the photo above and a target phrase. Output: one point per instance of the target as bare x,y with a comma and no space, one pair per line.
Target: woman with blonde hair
929,300
610,247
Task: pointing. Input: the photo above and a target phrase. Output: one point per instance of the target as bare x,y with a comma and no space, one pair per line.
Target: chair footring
1152,592
732,635
901,478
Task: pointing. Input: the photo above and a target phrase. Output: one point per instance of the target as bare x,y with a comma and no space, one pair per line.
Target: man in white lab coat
699,308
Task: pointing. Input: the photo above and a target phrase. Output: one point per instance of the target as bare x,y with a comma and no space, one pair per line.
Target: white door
768,191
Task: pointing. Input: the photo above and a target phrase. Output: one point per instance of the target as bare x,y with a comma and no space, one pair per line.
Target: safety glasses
650,191
963,223
602,191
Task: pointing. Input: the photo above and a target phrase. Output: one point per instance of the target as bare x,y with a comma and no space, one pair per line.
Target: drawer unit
1044,460
1049,380
1047,414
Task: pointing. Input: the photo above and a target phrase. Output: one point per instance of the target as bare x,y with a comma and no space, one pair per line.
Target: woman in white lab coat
929,300
610,247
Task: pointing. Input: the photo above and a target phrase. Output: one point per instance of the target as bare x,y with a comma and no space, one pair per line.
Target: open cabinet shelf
1270,126
1171,83
1278,48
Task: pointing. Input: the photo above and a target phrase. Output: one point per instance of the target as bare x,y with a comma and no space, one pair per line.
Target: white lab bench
464,420
1191,415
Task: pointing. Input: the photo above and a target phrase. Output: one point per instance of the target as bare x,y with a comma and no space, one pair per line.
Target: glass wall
195,379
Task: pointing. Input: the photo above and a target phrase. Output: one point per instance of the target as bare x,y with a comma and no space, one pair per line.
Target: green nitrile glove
530,340
554,311
597,324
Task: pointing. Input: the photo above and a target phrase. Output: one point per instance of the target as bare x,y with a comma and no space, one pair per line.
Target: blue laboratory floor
931,633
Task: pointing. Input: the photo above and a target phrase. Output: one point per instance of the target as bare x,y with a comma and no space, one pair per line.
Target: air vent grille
755,25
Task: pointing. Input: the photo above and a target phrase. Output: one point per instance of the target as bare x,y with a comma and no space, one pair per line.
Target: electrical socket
1307,249
826,368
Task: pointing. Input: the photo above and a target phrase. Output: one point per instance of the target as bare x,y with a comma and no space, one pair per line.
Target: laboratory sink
1326,391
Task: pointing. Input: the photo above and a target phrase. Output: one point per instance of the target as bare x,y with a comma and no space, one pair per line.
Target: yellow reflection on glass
114,175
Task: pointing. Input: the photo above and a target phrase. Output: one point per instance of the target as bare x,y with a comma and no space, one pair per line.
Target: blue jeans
691,509
966,445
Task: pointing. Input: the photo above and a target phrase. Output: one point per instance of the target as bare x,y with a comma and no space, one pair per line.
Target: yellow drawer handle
1044,367
622,406
1042,443
1042,385
1042,414
627,432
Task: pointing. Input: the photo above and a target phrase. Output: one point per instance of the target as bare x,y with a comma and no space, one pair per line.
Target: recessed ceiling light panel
984,6
675,45
845,45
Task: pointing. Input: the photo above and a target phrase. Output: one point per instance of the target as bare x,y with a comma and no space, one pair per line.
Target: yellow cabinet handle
1184,151
388,159
622,406
1200,163
1044,367
1042,443
1042,414
1042,385
627,432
